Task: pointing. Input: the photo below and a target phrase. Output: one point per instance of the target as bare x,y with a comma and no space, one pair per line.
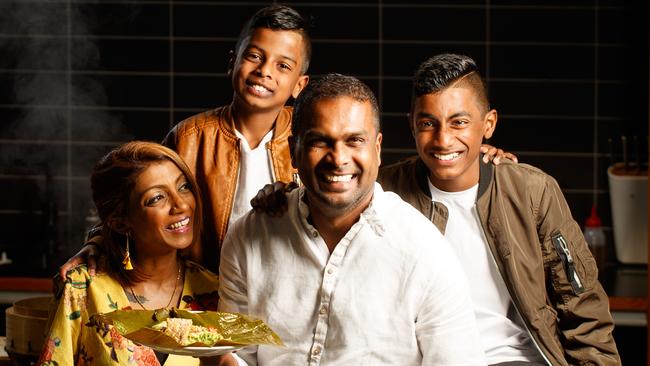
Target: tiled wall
78,77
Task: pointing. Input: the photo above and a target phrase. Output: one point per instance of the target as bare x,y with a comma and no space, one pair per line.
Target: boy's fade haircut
278,17
445,70
332,85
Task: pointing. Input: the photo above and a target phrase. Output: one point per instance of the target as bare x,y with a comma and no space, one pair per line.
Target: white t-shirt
255,172
391,292
502,333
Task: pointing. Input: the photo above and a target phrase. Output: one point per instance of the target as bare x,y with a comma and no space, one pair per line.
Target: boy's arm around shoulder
582,305
89,254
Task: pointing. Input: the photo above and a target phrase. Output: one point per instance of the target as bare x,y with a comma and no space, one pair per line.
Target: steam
56,103
45,59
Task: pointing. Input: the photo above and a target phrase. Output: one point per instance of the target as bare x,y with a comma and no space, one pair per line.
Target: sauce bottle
595,238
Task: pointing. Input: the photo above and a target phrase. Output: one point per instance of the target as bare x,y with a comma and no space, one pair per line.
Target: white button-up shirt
391,293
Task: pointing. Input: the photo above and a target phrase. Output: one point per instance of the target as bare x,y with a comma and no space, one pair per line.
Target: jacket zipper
231,194
562,248
510,292
269,152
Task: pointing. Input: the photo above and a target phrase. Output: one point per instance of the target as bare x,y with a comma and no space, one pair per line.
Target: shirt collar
370,215
244,142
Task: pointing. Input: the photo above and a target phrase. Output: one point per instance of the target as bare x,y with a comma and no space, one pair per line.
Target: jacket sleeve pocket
568,262
577,263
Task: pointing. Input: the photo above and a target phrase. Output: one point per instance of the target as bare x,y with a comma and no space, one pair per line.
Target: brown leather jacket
540,252
208,144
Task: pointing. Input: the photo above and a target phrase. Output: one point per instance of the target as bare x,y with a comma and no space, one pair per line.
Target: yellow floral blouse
71,340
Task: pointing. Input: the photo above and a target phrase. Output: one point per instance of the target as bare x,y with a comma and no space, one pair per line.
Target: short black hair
442,71
279,17
331,86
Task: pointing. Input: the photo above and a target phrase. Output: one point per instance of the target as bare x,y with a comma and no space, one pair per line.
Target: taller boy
236,149
534,283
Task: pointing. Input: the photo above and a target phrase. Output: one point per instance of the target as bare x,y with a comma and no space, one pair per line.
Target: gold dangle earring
127,257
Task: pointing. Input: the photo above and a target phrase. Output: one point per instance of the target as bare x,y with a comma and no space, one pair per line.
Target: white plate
194,351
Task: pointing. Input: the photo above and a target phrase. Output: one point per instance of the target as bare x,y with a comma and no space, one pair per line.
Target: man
534,283
350,275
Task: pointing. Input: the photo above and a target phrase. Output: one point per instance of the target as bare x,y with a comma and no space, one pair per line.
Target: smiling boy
236,149
534,283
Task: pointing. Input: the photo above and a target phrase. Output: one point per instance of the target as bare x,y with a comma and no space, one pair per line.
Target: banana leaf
237,329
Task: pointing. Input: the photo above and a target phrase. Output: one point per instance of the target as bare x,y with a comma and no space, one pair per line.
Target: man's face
338,155
267,69
449,127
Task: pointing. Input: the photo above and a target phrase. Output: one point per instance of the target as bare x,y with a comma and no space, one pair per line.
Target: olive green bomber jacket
541,254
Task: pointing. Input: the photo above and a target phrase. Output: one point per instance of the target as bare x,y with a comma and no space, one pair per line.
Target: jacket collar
227,122
281,125
422,177
486,174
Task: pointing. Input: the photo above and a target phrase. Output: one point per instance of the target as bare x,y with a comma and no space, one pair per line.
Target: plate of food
191,333
185,332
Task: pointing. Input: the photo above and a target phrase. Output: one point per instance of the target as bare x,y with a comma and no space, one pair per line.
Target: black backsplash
79,77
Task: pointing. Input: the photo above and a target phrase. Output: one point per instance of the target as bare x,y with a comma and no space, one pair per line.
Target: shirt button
330,271
316,351
314,234
323,310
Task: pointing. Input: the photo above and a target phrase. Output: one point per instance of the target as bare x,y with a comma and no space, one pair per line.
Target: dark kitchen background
79,77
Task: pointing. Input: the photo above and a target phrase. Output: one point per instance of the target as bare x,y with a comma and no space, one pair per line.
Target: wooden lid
35,306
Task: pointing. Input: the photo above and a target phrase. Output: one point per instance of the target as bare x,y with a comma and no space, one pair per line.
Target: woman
146,199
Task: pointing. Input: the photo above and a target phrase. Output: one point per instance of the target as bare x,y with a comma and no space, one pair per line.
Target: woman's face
161,210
